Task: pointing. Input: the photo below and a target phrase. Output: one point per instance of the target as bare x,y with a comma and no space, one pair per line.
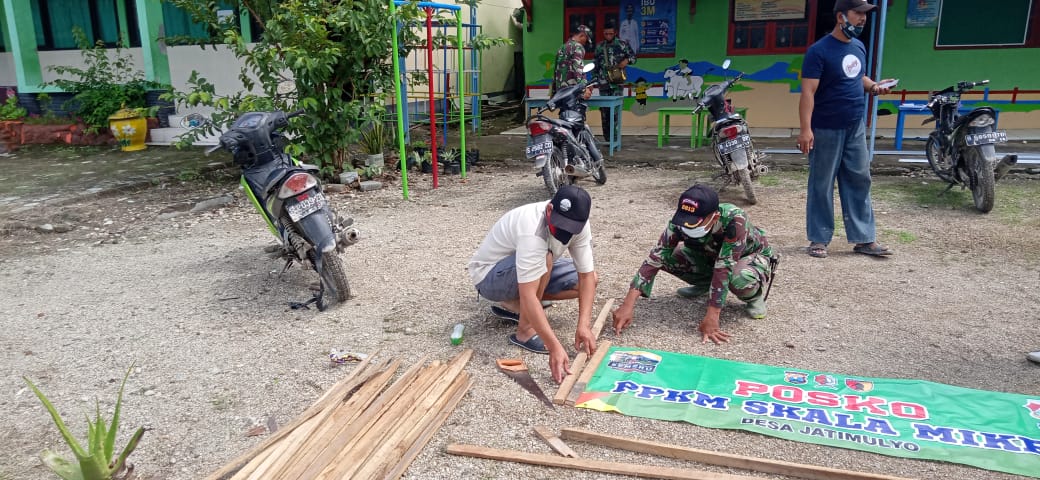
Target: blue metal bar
878,76
430,5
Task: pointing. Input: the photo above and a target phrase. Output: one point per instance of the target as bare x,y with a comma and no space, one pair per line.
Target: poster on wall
648,26
922,13
759,10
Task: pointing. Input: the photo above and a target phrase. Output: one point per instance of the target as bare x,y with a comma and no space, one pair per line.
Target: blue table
613,103
922,109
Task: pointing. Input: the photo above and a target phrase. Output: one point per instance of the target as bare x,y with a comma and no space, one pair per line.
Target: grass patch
901,236
769,180
1016,201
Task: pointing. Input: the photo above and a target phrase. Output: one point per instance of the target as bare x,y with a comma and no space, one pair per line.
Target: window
755,30
99,20
180,27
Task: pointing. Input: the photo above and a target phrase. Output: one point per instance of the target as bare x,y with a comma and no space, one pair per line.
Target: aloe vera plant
96,462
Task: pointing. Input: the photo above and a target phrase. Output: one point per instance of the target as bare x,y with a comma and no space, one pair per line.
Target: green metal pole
124,26
153,49
245,26
21,35
462,91
397,102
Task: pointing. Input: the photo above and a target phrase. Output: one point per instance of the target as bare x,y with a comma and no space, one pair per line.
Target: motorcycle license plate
540,147
741,141
999,136
306,207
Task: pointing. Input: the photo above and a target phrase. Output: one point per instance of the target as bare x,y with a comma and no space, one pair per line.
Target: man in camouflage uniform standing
611,53
568,69
721,252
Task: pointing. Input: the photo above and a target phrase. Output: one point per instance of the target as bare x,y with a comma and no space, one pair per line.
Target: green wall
908,53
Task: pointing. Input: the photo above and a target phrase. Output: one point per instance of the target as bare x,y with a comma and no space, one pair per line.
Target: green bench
699,126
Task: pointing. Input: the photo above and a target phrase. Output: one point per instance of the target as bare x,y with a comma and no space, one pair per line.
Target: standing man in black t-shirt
833,133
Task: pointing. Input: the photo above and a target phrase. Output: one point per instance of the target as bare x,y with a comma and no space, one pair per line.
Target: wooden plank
723,459
417,415
554,442
427,433
352,433
390,418
588,372
579,360
392,450
635,470
335,394
295,461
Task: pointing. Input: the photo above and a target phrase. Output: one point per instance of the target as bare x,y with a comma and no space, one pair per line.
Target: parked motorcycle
961,149
288,194
564,149
731,142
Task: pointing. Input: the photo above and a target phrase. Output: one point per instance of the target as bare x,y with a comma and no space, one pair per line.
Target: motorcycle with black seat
564,149
731,142
288,195
961,149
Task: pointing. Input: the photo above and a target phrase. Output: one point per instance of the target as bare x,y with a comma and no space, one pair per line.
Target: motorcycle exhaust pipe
1004,165
349,236
575,171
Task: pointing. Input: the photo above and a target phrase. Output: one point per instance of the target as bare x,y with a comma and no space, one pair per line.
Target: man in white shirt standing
629,31
520,264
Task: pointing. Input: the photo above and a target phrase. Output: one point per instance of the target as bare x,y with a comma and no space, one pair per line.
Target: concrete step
170,135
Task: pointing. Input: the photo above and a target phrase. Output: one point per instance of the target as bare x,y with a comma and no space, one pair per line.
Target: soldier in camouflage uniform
568,69
610,53
721,252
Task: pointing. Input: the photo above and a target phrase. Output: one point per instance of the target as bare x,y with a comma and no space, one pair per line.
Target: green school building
926,44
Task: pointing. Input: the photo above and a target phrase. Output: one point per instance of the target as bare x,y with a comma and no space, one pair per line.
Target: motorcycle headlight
982,121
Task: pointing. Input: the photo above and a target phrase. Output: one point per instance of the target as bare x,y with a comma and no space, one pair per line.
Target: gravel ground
192,302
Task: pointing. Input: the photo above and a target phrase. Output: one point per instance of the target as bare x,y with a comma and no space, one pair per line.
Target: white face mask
696,232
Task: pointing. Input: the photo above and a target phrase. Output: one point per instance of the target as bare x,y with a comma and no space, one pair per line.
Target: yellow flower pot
129,128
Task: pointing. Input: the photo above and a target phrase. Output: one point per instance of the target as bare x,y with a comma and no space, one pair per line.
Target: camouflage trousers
607,121
746,280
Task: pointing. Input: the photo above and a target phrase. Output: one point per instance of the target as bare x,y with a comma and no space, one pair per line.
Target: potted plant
426,163
450,160
373,139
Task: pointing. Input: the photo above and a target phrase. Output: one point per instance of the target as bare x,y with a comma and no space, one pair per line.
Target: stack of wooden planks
363,427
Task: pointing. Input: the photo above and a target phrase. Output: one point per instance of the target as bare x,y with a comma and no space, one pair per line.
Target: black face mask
561,235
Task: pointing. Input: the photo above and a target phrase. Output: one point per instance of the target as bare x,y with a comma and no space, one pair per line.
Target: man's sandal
818,250
873,249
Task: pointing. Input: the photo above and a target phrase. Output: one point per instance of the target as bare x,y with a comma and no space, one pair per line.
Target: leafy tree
331,58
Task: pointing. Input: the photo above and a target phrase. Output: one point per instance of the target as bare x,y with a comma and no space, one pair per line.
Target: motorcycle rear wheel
744,178
552,171
334,277
982,191
939,161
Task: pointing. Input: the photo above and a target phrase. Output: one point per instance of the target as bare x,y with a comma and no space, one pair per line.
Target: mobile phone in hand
889,84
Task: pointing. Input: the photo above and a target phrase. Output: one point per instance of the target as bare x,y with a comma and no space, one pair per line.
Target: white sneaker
1034,357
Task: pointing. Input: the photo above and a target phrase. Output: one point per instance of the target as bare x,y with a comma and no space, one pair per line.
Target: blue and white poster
648,26
922,13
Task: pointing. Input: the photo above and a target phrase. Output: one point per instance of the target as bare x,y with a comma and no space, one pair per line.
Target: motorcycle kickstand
948,188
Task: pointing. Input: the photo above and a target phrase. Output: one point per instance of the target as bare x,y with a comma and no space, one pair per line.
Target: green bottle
456,334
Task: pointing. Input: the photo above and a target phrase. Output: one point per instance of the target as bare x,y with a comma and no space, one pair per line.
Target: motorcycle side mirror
588,67
725,64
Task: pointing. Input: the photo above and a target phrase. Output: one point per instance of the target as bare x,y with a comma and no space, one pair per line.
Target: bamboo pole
635,470
579,360
590,370
764,465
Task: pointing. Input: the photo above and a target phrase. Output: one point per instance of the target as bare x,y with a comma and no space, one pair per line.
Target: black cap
570,209
857,5
696,203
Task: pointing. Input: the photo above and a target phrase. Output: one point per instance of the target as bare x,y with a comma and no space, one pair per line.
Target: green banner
902,418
